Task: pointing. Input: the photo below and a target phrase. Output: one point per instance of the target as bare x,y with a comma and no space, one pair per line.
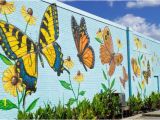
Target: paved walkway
150,116
153,114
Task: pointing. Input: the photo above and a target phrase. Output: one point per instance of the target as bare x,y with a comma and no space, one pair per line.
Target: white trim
86,14
92,16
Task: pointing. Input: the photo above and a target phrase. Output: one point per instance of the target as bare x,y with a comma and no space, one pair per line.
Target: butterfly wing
118,58
20,48
146,76
122,82
108,40
125,75
106,49
112,68
81,38
75,31
148,69
86,51
49,33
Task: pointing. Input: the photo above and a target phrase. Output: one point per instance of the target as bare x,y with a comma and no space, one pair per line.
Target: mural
81,38
22,75
142,66
108,56
46,55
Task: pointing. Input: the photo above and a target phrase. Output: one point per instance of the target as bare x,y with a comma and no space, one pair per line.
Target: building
93,50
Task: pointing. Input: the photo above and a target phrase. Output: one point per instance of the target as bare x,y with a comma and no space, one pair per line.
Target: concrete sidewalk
150,115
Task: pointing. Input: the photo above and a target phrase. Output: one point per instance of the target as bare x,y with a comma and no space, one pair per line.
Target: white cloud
143,3
110,3
140,24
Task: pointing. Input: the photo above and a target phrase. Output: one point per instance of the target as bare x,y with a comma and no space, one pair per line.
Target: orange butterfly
107,54
125,77
135,67
85,51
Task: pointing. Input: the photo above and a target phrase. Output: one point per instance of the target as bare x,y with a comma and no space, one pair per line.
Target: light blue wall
48,85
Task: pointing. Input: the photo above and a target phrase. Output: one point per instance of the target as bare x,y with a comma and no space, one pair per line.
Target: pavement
150,116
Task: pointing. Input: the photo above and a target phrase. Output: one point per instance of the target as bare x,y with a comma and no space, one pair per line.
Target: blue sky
142,15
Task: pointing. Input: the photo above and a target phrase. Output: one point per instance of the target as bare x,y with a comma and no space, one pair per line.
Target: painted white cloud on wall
140,24
143,3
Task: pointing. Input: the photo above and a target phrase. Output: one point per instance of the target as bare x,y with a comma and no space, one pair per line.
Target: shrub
135,103
106,105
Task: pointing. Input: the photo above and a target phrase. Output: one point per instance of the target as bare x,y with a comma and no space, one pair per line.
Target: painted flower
79,77
11,81
119,44
135,67
68,63
6,7
99,34
138,43
28,15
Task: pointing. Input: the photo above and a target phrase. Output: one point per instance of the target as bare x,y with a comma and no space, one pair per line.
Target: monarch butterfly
147,74
107,54
125,77
85,51
21,48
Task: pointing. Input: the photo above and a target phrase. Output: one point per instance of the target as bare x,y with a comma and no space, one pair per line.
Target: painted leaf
99,40
71,101
112,83
7,105
82,93
32,105
104,86
65,85
139,62
140,86
141,56
5,60
104,75
145,92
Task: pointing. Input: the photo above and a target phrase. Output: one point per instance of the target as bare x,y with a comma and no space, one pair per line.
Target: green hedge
104,105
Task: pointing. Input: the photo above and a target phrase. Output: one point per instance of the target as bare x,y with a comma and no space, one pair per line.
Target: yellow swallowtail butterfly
20,47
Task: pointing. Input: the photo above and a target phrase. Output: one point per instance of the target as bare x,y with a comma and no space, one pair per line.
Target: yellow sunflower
138,43
28,15
69,63
79,77
6,7
11,81
119,44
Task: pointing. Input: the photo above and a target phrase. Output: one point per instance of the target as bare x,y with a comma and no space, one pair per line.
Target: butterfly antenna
67,70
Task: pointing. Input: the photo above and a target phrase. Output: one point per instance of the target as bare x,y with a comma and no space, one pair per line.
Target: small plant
106,105
84,110
135,103
79,77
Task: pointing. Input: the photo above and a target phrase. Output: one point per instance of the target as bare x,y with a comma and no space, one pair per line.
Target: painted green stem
72,89
18,100
26,27
78,92
6,17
